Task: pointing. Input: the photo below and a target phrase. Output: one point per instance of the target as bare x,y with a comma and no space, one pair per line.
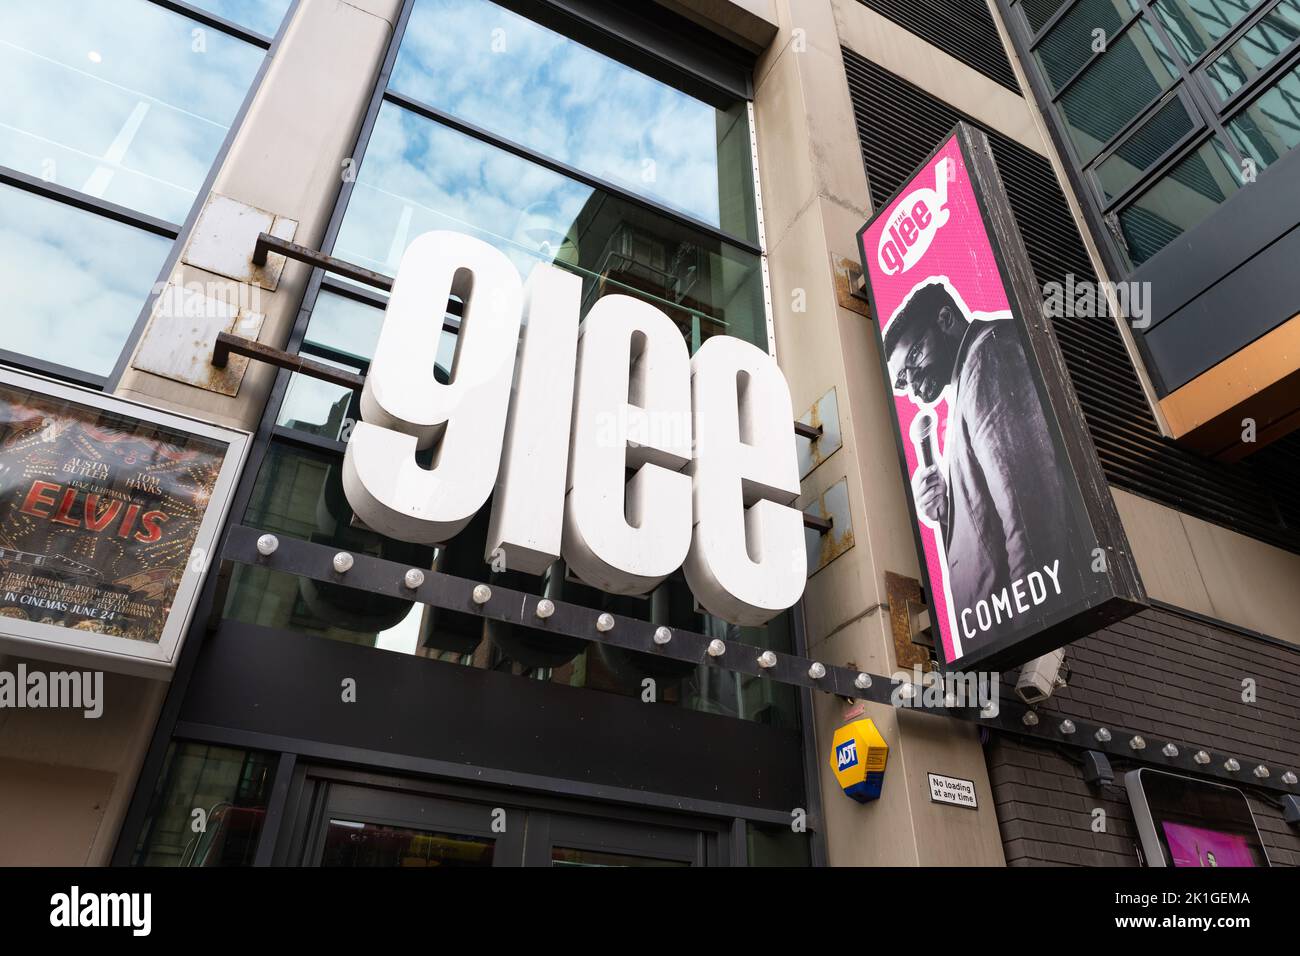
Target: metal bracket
267,243
818,433
906,605
227,344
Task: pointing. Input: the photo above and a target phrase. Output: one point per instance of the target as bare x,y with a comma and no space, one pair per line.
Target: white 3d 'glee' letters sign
552,416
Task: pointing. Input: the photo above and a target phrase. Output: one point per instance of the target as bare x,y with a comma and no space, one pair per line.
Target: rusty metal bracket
228,344
828,515
810,432
818,433
267,243
906,606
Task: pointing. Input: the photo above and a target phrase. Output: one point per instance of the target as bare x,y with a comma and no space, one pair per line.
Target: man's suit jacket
1007,507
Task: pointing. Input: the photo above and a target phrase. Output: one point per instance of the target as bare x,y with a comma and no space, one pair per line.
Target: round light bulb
1102,735
413,578
605,623
1289,778
1201,757
1231,765
1029,719
545,608
767,659
817,670
1169,750
343,562
663,635
1137,743
1261,771
1067,727
267,544
482,594
862,681
717,648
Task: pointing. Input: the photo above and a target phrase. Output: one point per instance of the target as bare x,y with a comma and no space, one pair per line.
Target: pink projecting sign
1017,539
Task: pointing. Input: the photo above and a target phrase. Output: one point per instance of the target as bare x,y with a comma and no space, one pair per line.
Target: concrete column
815,199
287,161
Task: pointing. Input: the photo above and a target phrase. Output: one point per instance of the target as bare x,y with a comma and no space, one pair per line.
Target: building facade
205,204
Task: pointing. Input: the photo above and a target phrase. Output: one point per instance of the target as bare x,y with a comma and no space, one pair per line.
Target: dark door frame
531,822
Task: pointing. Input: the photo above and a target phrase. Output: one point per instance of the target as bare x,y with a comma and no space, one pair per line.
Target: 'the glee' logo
915,220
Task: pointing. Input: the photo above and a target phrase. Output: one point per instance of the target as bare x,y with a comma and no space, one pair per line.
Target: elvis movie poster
1008,548
99,514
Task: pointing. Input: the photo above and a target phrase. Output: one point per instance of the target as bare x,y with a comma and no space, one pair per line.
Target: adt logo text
846,754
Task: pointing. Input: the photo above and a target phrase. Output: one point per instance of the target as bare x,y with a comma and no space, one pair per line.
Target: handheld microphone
925,438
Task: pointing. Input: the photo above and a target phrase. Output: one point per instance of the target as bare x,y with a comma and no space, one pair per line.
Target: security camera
1038,678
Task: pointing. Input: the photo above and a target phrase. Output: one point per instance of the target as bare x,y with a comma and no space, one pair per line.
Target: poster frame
64,645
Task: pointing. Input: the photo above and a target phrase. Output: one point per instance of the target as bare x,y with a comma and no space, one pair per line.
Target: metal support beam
267,243
228,344
810,432
377,576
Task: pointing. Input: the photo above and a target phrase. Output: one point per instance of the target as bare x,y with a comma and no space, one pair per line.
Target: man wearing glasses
998,495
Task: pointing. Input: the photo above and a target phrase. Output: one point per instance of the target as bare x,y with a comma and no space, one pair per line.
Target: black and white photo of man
998,494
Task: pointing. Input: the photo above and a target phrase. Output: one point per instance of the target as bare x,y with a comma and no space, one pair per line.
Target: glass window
1038,12
1270,126
1255,49
419,175
102,271
566,856
777,846
343,333
525,83
1071,42
1133,71
229,787
353,843
124,101
1143,147
1196,25
299,493
263,16
1178,200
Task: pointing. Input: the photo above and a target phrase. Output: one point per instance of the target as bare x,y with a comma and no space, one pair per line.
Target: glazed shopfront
347,718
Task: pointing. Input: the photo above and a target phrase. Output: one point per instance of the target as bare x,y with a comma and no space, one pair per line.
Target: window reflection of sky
263,16
74,282
418,175
117,101
525,83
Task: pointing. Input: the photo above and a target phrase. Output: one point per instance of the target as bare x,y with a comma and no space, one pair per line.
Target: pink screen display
1195,846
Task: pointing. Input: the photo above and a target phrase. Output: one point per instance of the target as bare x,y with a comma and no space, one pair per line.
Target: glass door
349,819
562,840
356,826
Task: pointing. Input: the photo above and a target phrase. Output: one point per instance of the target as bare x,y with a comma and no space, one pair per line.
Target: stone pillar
815,198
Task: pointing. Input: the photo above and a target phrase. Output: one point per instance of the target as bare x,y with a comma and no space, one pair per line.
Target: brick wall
1165,675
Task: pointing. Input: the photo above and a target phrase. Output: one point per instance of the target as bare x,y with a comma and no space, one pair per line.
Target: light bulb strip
378,576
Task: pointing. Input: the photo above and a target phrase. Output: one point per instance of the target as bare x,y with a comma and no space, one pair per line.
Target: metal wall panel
963,29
